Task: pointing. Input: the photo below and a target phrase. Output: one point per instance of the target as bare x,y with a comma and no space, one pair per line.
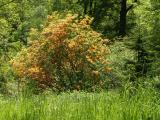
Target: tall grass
143,105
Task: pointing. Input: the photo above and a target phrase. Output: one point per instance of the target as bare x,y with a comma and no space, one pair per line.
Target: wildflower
105,62
89,59
95,73
72,44
107,69
34,70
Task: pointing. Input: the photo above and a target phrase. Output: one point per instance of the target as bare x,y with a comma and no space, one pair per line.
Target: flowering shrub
67,55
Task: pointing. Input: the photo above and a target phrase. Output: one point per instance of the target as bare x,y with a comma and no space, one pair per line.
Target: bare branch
130,7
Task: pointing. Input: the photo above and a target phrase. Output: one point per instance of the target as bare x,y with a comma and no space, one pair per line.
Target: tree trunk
86,2
90,7
123,12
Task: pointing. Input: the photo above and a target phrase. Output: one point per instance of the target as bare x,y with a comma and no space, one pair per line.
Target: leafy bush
67,55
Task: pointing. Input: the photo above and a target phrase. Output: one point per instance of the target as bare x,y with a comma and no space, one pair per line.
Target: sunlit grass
143,105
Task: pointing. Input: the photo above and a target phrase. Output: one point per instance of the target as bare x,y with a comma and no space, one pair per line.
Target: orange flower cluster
69,54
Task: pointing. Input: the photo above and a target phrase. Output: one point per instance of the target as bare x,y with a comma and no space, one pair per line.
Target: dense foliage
82,45
67,55
133,22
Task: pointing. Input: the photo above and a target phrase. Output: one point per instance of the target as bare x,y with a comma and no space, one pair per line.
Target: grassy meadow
141,105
